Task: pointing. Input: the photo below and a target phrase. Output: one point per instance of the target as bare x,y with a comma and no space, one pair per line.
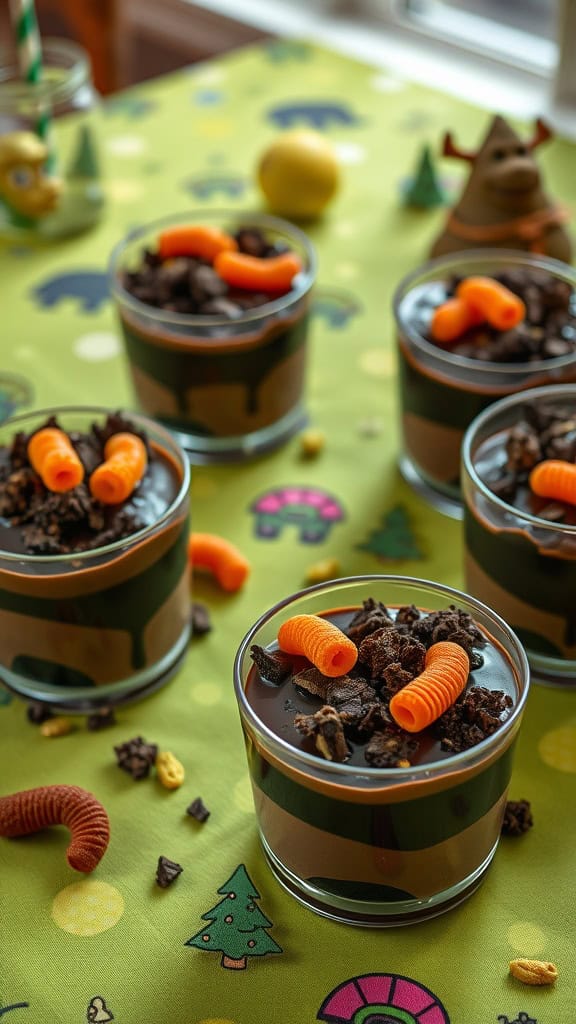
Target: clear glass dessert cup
106,626
228,389
441,392
379,846
520,564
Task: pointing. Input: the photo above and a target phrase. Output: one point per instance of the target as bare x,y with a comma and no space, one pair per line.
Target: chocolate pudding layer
444,388
222,366
407,824
521,547
91,595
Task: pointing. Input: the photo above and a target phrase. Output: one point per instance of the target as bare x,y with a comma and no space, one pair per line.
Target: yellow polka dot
125,191
377,362
557,748
215,128
526,938
87,908
203,486
347,271
206,694
242,794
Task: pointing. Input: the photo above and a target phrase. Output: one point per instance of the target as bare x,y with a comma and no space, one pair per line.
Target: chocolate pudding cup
522,565
379,846
104,626
228,389
442,392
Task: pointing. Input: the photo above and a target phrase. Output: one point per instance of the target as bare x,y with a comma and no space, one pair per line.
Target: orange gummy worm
220,557
53,457
195,240
430,694
326,646
258,274
452,319
554,478
114,480
23,813
496,304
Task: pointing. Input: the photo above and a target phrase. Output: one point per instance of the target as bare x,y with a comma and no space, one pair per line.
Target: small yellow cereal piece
534,972
327,569
54,727
169,770
311,443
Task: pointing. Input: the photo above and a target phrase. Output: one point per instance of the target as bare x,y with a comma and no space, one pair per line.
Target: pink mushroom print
310,509
382,999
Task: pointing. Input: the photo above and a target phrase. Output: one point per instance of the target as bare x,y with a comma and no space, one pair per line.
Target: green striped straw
30,58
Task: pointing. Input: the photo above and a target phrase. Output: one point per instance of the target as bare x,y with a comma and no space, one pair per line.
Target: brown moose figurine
503,204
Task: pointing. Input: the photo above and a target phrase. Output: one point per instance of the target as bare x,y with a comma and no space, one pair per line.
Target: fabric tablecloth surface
112,945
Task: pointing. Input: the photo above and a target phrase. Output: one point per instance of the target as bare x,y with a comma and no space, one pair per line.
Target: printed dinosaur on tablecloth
98,1012
522,1018
238,928
394,540
207,186
382,999
312,510
335,307
90,287
319,114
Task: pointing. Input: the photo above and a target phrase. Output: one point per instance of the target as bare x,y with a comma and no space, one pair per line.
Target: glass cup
102,627
441,392
523,566
49,163
379,846
228,389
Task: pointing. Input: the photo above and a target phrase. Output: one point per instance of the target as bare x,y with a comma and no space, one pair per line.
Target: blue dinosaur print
90,287
231,186
132,107
335,308
316,113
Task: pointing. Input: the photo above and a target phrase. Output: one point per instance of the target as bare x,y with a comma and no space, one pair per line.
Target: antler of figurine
541,134
450,149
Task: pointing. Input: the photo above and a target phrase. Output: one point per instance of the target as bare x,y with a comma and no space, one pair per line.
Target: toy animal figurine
503,204
24,184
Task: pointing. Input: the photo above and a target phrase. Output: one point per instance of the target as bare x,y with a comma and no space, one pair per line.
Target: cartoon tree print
84,163
394,540
237,926
424,188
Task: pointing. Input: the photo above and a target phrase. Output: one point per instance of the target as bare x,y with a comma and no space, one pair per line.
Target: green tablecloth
185,141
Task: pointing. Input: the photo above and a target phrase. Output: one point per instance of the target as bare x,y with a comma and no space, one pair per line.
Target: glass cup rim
251,217
146,423
548,390
53,47
450,360
346,771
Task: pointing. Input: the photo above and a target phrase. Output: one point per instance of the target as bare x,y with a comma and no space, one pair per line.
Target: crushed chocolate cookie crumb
325,726
201,623
197,809
387,647
102,719
407,616
313,681
349,696
167,872
389,751
475,715
517,818
37,712
270,666
136,757
372,616
522,449
444,624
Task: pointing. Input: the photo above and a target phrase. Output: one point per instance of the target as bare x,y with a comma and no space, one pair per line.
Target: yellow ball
299,174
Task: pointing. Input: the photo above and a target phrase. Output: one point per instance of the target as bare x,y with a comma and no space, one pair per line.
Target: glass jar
50,187
378,846
228,388
522,565
441,392
101,627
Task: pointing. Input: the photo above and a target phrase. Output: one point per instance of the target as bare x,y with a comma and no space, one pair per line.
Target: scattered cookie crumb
327,569
169,770
197,809
372,426
312,442
517,818
54,727
102,719
534,972
201,622
167,872
136,757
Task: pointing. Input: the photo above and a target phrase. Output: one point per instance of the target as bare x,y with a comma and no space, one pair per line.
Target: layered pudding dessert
520,522
380,778
94,587
448,375
214,313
